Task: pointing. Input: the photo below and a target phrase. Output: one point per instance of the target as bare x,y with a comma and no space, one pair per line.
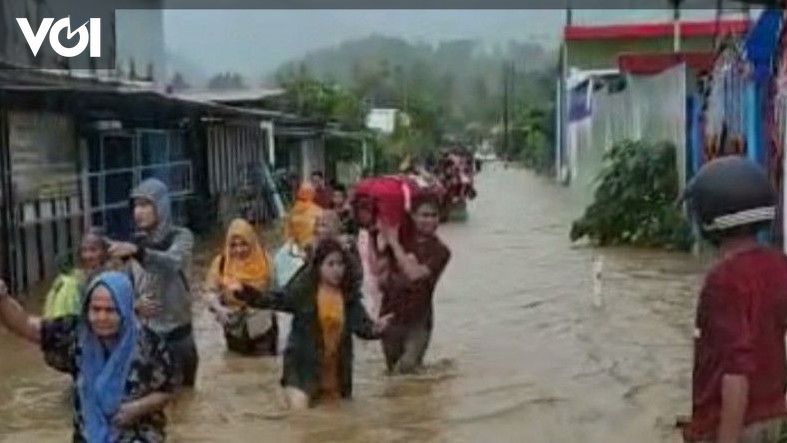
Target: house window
117,162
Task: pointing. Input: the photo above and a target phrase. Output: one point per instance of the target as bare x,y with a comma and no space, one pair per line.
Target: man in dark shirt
341,206
408,286
323,193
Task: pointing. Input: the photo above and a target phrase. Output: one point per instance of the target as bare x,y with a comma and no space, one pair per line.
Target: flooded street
519,353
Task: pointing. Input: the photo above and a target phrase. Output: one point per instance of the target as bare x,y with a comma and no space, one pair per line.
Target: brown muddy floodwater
520,353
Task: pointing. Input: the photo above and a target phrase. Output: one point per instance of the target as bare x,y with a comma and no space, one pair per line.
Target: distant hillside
461,77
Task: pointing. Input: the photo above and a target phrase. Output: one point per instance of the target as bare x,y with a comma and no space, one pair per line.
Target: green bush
533,139
635,200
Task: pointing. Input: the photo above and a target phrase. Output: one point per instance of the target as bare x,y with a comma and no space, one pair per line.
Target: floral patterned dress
151,371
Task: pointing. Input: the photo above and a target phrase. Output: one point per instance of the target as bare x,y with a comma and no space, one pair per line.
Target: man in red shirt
417,262
740,373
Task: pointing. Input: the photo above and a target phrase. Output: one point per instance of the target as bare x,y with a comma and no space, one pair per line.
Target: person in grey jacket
164,251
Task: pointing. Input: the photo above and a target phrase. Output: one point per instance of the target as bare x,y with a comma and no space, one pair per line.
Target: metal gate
40,198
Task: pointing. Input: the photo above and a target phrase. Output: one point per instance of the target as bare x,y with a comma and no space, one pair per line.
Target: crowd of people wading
363,262
366,262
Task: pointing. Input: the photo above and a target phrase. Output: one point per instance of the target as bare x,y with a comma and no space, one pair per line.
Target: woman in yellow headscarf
243,262
299,227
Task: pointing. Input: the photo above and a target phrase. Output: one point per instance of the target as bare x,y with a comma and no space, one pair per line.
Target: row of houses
630,82
75,142
72,150
723,95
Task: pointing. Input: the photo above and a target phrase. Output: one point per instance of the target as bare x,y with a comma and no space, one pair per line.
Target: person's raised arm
176,258
173,259
411,268
14,317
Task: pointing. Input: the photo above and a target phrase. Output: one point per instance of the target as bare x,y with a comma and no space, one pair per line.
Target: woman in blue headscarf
123,373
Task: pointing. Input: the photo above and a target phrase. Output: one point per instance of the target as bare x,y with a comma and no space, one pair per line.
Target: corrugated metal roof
13,73
285,124
234,95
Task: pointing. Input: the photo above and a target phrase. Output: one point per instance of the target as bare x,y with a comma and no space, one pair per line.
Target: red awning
655,30
653,63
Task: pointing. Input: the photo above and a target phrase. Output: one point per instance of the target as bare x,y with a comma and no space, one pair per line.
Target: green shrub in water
635,200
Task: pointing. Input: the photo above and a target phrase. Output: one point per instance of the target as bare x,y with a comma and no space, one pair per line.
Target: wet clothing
406,341
305,345
411,302
185,358
244,340
740,329
151,371
136,365
64,296
330,311
404,346
165,254
243,332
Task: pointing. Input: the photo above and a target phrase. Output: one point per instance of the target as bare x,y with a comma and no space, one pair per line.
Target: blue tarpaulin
762,42
694,146
760,48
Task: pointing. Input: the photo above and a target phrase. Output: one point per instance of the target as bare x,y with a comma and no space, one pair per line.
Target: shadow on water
519,353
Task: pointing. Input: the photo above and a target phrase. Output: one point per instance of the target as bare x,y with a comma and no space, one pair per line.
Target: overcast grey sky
258,41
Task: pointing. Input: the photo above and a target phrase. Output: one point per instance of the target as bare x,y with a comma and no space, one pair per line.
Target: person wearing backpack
164,251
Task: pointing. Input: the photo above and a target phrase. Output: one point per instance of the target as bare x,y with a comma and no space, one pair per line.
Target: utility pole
676,25
505,109
512,104
719,14
561,101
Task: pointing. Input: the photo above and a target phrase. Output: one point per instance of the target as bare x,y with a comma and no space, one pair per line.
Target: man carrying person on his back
164,251
408,285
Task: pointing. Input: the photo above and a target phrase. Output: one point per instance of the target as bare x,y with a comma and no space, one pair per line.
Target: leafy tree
531,138
313,98
635,199
446,88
